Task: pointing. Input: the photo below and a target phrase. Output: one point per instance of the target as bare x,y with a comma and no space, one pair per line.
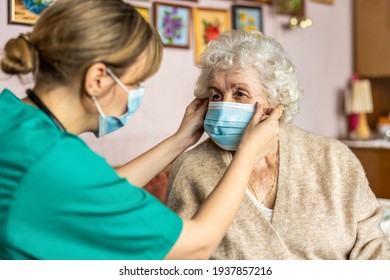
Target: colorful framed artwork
26,11
144,12
209,24
247,18
172,23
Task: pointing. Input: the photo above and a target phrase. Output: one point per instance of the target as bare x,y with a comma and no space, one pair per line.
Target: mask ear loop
108,70
98,106
116,79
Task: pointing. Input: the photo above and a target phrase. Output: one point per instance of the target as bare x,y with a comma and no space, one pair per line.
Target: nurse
60,200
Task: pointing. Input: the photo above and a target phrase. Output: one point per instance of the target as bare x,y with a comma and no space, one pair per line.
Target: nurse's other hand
191,127
261,135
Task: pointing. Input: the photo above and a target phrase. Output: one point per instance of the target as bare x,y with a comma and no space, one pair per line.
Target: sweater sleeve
193,177
371,242
182,195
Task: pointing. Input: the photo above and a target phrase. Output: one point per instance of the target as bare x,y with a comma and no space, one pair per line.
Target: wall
322,54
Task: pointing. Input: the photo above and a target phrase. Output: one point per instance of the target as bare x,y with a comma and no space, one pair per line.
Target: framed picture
209,24
260,1
26,12
144,12
247,18
323,1
172,23
292,8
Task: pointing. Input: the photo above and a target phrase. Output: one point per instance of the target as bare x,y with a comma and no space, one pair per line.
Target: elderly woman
308,198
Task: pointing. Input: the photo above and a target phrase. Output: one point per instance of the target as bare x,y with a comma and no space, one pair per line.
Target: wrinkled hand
191,127
261,135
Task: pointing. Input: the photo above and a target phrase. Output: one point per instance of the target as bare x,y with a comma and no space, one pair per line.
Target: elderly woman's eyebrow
214,89
239,85
234,86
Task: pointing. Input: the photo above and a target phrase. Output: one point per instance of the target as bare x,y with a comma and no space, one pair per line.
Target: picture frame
329,2
247,18
144,11
18,13
209,24
172,22
285,7
269,2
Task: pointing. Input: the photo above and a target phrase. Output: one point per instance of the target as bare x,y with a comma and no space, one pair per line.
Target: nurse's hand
261,135
145,167
191,127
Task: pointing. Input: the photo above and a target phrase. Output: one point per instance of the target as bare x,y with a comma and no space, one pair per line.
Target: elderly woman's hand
191,127
261,135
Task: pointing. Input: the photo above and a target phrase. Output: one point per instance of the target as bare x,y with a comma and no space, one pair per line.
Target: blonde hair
236,50
71,35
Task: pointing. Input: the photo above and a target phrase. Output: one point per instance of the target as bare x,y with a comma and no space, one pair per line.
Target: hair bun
20,56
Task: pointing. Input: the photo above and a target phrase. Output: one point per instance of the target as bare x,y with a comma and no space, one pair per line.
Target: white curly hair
236,50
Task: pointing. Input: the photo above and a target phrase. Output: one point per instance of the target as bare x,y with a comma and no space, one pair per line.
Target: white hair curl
237,50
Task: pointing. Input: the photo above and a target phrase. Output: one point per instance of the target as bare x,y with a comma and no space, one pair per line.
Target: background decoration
247,18
209,24
290,7
260,1
26,11
172,23
324,1
144,12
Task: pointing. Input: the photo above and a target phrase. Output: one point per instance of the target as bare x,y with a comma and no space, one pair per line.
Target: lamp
301,22
361,105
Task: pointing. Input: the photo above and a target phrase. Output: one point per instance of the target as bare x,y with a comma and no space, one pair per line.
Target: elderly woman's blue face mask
232,98
225,123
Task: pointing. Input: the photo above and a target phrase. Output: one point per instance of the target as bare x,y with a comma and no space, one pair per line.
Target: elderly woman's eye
216,96
240,94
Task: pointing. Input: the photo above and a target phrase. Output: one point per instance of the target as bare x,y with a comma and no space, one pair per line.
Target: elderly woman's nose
228,98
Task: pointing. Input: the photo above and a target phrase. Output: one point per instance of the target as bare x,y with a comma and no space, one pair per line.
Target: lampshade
361,97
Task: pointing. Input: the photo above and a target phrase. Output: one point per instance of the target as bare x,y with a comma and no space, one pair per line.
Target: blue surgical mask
108,124
225,123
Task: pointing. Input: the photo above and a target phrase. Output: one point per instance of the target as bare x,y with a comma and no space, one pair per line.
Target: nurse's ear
97,81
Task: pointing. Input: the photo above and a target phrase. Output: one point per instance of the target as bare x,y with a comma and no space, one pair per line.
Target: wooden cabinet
376,163
372,52
372,61
381,99
372,38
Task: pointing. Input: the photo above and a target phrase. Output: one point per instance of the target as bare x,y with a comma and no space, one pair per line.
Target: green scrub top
60,200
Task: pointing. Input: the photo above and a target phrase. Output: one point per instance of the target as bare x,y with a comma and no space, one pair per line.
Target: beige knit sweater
324,206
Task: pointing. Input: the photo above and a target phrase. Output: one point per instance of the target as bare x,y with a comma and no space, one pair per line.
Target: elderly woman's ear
267,111
281,110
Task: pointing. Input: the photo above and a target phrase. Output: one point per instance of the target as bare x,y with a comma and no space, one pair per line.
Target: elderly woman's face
240,87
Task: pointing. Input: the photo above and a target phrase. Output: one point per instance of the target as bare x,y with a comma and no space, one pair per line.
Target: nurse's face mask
225,122
108,124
